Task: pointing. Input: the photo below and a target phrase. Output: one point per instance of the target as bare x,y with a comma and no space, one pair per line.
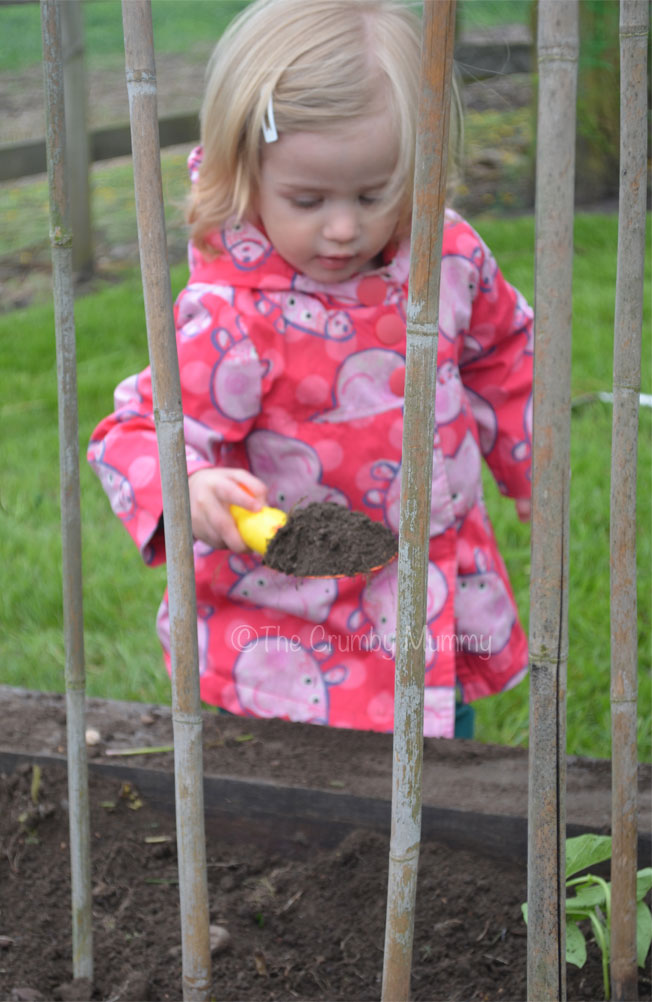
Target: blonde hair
321,62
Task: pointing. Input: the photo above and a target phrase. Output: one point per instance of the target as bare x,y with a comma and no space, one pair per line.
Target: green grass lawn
121,595
505,718
181,26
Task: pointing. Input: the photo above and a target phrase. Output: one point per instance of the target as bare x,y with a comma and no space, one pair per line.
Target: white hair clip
269,125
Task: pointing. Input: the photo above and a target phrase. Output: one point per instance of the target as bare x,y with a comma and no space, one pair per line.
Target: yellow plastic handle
258,527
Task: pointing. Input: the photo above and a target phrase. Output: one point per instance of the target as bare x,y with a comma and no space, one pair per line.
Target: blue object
464,720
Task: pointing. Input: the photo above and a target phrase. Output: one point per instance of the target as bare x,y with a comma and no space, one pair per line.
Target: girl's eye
369,199
306,203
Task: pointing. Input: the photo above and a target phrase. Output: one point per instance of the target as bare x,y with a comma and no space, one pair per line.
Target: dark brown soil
301,894
326,539
309,927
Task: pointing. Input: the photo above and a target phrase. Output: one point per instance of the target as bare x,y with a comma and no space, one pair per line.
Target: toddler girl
291,342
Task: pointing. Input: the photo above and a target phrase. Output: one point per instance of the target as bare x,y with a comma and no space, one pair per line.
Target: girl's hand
211,491
523,509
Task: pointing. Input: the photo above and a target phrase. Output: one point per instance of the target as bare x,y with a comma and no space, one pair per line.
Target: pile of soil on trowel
326,540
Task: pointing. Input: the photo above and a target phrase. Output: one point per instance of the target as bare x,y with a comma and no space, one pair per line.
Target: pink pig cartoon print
486,265
388,497
460,278
306,315
459,483
202,442
246,246
449,394
485,616
237,377
290,468
486,420
196,309
438,711
277,677
523,450
379,606
118,488
522,318
127,396
204,613
307,598
363,385
464,470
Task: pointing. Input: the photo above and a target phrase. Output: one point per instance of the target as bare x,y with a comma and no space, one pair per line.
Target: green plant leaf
586,850
575,945
586,896
524,910
579,914
643,882
643,932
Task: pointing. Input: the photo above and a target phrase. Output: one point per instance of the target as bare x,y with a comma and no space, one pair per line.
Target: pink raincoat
302,383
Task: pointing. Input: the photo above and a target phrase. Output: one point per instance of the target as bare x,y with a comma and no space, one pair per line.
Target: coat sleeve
496,366
221,388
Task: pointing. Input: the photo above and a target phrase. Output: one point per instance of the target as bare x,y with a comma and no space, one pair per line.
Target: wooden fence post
416,484
62,281
634,21
186,708
77,138
557,56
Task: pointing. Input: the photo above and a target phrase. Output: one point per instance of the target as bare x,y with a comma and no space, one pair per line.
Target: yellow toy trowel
342,543
258,527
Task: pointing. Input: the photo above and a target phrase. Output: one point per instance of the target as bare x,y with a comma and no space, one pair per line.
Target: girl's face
322,197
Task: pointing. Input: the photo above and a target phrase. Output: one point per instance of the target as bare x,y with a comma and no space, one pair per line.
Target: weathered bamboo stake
73,625
634,22
557,56
418,431
186,715
77,136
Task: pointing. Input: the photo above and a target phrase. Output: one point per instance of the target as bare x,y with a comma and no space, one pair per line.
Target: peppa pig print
484,612
284,680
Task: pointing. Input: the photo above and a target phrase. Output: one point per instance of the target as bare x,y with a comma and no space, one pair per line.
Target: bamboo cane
634,20
77,136
557,56
418,430
186,715
61,244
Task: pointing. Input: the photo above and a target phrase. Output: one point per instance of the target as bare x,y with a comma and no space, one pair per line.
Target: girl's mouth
335,263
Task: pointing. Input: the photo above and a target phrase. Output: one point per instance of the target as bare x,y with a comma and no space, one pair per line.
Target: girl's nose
341,225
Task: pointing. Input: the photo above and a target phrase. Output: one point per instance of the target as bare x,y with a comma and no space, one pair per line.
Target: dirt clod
79,990
326,539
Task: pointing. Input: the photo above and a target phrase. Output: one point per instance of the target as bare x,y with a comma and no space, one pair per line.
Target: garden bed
297,842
